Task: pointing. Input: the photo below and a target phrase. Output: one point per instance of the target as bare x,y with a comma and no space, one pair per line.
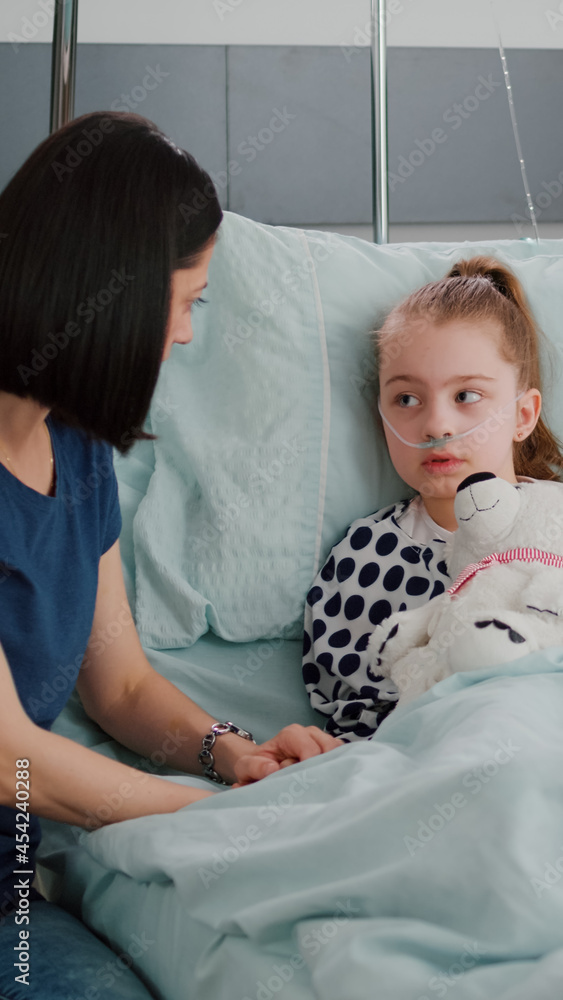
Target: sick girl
459,393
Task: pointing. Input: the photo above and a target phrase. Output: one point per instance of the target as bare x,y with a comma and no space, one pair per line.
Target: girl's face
186,287
443,380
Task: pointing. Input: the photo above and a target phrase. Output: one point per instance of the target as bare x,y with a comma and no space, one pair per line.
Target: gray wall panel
25,85
474,174
537,79
188,103
318,168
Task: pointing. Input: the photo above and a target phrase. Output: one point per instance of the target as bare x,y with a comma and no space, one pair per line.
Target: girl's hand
292,744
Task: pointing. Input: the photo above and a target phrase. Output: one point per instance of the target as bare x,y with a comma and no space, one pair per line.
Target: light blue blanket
425,863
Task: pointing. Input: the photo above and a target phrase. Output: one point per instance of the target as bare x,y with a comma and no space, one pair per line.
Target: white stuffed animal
506,599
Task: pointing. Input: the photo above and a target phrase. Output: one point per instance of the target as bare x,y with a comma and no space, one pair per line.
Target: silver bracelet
206,758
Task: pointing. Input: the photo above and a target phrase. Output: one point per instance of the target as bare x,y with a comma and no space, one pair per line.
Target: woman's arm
132,702
70,783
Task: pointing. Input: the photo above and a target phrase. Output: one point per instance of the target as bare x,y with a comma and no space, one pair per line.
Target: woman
109,231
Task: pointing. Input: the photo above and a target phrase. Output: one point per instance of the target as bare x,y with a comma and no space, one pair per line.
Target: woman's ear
529,409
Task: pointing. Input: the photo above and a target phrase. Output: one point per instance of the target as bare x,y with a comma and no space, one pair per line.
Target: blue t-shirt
50,548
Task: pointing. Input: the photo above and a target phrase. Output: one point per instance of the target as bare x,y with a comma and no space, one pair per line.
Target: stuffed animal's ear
401,631
381,636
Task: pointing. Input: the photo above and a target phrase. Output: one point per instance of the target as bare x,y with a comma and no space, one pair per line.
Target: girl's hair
483,289
91,228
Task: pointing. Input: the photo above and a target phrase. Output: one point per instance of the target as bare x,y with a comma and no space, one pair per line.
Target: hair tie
488,276
500,286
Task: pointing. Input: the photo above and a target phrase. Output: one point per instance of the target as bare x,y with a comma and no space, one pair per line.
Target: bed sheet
232,681
426,860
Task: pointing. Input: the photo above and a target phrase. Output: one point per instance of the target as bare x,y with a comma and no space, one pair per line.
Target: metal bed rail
63,76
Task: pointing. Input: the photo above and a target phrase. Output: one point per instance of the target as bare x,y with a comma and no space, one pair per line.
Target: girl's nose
438,422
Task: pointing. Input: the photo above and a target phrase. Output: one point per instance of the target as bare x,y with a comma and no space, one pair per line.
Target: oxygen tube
448,438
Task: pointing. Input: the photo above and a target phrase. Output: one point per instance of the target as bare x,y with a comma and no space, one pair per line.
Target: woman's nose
185,333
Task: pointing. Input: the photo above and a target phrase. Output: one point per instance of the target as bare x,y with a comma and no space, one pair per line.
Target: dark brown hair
482,288
93,225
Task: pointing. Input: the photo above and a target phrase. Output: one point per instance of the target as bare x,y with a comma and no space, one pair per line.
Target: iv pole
380,197
63,63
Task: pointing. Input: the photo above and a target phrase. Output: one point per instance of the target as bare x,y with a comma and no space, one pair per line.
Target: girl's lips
439,464
438,456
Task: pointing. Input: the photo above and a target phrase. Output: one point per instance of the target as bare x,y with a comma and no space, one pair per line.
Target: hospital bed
307,885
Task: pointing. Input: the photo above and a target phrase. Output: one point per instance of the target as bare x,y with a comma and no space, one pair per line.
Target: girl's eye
405,399
466,393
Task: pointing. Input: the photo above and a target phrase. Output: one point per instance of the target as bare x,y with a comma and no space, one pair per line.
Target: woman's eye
465,394
405,399
195,302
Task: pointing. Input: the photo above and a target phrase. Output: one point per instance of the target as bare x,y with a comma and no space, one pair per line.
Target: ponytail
500,277
539,455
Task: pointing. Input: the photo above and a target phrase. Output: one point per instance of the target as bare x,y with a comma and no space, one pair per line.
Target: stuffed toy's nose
477,477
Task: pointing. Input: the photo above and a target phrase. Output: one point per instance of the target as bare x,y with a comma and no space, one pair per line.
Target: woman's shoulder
77,445
84,465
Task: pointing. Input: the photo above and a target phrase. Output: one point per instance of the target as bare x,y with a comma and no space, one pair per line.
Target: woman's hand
292,744
135,705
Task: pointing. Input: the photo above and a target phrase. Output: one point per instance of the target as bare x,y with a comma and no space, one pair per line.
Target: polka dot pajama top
391,561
